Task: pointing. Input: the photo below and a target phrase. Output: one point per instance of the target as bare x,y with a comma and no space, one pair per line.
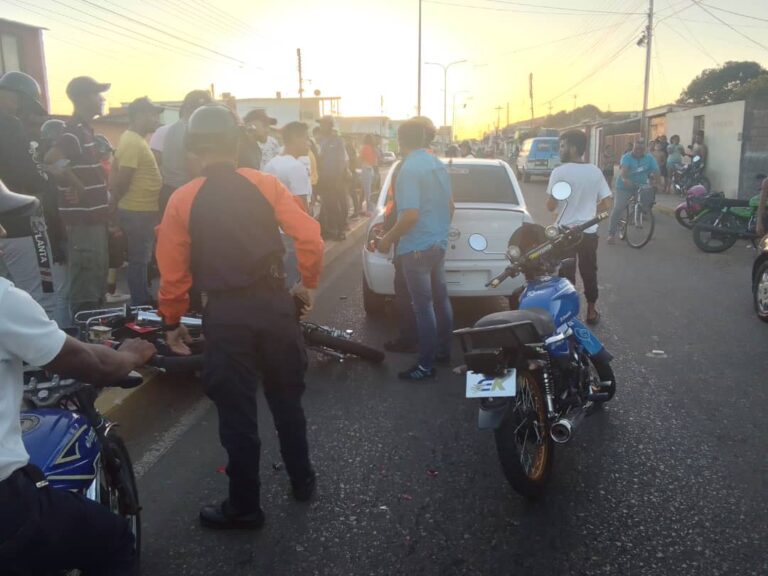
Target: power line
728,25
581,10
750,16
507,10
164,32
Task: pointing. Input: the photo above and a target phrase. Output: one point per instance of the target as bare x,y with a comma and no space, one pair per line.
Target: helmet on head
211,128
52,129
27,87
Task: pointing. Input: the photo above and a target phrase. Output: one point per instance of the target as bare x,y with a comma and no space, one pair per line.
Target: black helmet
212,127
103,144
52,129
27,87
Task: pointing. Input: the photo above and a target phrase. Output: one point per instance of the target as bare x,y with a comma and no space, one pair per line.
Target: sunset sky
363,50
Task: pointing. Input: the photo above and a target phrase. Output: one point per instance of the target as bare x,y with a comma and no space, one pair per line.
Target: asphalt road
671,478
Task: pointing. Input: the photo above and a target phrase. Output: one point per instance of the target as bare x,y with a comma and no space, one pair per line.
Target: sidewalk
112,398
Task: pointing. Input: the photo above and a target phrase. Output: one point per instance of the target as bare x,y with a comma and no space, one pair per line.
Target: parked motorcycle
725,221
760,280
687,212
687,176
538,371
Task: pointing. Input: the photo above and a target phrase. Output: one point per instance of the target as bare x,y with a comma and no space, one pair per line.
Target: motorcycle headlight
514,253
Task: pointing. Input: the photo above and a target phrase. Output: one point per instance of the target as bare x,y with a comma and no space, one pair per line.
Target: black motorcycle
687,176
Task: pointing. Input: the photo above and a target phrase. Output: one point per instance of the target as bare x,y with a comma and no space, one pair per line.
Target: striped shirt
79,146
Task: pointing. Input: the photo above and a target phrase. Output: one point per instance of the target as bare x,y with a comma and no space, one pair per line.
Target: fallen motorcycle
687,176
538,371
687,212
725,221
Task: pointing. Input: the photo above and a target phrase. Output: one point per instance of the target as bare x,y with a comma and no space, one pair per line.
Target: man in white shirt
257,125
43,529
590,194
292,172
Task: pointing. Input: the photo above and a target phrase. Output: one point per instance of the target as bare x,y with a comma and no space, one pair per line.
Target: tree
756,90
718,85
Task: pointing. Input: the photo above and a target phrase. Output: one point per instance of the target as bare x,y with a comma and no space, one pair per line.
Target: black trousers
333,204
248,338
46,529
586,255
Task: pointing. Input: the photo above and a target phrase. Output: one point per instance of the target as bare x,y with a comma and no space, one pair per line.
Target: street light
445,68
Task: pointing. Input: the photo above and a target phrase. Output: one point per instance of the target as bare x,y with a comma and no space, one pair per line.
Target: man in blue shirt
638,169
425,209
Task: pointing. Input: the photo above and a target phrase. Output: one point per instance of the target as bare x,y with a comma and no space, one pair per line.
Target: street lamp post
445,68
453,110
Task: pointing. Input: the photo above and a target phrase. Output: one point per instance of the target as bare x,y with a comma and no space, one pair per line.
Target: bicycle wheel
639,225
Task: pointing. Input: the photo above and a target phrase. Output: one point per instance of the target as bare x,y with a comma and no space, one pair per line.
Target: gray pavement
669,479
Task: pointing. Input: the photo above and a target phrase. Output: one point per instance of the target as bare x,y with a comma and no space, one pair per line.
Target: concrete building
21,50
286,110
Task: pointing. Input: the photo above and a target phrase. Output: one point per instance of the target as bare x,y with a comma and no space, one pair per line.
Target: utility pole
530,93
549,107
418,101
301,82
507,113
445,68
648,43
498,116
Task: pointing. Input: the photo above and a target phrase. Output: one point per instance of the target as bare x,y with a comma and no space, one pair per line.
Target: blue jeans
139,229
620,203
404,305
425,275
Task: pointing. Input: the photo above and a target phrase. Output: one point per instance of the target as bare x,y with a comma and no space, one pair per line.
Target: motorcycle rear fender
490,418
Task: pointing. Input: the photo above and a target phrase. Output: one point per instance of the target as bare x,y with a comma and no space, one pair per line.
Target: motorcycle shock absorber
549,388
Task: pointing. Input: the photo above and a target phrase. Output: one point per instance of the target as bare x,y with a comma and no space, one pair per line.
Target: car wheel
373,303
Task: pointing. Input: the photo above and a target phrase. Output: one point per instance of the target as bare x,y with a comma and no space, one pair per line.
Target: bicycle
636,228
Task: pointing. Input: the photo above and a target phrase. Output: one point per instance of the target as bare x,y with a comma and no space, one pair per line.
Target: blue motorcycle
538,371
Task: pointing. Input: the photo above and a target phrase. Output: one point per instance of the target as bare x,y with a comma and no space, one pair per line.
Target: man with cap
83,196
177,167
332,170
223,231
258,147
27,252
136,194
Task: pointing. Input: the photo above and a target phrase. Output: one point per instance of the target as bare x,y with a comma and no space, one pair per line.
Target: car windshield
487,184
546,146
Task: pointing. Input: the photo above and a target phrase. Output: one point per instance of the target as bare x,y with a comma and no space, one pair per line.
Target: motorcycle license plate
482,386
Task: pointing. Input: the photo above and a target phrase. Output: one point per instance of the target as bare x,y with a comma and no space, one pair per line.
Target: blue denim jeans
404,305
425,275
139,229
620,202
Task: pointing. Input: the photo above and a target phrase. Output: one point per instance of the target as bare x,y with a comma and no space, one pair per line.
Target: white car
489,208
388,158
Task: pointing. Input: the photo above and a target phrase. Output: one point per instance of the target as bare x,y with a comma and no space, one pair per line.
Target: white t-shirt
157,141
588,188
292,172
26,335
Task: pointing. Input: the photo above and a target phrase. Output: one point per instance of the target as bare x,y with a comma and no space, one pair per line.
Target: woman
660,154
675,152
368,161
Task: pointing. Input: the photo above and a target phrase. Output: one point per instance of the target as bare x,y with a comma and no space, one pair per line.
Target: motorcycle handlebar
190,363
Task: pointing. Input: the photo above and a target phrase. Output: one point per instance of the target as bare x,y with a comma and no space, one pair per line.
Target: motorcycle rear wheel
120,494
604,373
713,242
525,449
760,291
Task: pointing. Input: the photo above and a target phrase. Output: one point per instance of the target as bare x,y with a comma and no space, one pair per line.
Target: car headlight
514,253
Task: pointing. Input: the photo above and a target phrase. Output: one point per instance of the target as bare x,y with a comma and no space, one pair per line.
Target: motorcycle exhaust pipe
562,431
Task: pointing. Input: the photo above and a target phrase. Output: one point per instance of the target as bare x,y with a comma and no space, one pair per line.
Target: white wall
723,125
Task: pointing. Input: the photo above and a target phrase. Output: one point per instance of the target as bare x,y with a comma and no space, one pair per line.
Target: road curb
111,399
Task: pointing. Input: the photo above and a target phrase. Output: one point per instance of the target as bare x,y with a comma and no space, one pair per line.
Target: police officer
222,230
27,251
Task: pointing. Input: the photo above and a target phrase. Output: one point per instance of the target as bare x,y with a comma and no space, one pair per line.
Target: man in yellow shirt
135,194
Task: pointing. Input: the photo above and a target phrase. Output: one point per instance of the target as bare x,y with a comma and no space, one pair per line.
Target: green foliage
755,90
724,84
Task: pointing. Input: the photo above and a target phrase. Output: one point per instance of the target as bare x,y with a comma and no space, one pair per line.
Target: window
698,124
547,146
9,54
490,184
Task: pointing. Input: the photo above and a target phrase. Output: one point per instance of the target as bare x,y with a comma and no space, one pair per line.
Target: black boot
224,517
303,490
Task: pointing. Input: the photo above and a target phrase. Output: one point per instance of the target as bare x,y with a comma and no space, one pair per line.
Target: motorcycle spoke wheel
523,443
712,241
761,293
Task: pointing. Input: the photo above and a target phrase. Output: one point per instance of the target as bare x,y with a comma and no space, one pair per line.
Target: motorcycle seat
12,204
540,319
727,202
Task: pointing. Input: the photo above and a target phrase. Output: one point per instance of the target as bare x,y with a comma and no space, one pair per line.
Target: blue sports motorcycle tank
555,295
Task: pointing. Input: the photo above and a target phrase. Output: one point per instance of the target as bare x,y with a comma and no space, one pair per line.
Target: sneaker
116,298
400,346
611,240
417,373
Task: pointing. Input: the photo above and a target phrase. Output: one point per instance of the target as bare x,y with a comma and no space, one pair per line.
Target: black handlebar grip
189,363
